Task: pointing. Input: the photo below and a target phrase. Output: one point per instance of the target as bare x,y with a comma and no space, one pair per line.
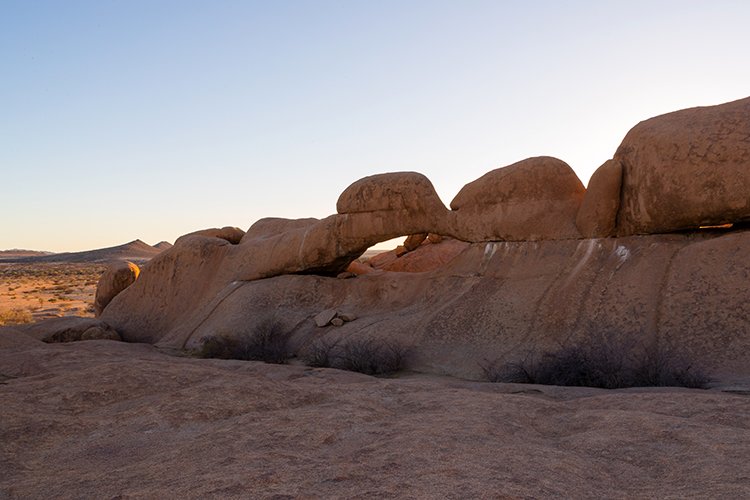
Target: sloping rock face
686,169
489,300
534,199
493,301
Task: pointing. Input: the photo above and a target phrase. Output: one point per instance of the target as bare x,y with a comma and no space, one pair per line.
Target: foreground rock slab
107,419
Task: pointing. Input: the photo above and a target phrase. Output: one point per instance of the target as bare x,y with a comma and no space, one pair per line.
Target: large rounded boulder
533,199
115,279
409,191
686,169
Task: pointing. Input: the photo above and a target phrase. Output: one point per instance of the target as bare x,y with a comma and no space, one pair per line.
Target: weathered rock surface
99,332
534,199
69,329
275,226
491,300
228,233
409,191
324,318
189,428
686,169
382,259
115,279
10,337
427,257
413,241
597,217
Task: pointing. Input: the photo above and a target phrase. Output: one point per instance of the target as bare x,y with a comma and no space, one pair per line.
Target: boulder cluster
674,174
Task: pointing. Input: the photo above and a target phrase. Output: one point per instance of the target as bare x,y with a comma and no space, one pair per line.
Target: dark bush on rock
321,354
370,356
267,342
602,361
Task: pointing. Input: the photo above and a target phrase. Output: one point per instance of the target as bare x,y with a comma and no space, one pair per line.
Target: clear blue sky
150,119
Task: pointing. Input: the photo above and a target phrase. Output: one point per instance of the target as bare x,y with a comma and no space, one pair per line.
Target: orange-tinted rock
597,216
427,257
392,191
358,268
534,199
115,279
382,259
413,241
273,226
228,233
686,169
434,238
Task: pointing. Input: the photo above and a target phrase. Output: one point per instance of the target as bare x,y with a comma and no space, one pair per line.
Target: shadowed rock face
597,217
521,275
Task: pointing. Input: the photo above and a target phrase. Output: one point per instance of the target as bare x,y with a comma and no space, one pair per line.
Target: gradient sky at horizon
151,119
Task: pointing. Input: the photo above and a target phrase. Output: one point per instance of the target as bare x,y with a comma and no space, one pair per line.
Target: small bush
369,356
267,342
15,317
321,354
603,362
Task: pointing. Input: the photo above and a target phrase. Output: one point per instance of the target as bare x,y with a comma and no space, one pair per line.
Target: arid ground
46,290
105,419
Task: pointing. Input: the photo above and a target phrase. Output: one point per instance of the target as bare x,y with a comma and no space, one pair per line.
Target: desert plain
47,290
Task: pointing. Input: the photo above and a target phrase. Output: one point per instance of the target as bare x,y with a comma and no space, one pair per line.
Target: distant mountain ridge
20,252
136,250
163,245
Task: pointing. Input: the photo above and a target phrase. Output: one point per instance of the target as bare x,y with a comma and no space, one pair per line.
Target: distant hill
17,252
135,250
163,245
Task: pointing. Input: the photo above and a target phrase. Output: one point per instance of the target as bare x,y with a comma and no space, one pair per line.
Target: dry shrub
602,361
15,316
365,355
321,353
268,342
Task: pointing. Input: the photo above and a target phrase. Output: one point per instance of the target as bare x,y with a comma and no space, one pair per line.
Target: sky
132,119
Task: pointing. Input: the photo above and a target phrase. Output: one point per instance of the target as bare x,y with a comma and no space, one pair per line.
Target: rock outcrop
409,191
69,329
534,199
525,259
597,217
686,169
115,279
228,233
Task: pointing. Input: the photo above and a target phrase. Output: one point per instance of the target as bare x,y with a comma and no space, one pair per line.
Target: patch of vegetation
15,317
321,354
268,342
603,361
365,355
